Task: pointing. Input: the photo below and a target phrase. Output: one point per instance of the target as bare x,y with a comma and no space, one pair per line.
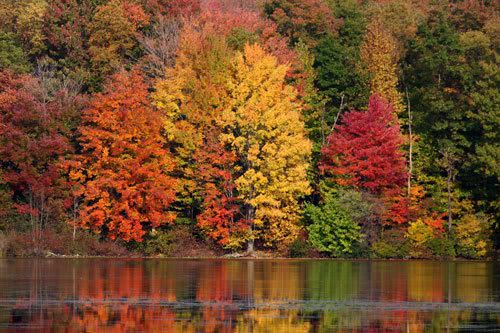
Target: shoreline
247,258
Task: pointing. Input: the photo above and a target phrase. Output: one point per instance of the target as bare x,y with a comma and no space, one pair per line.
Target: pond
168,295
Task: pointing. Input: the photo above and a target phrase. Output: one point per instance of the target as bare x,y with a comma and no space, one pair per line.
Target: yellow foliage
191,97
30,24
266,132
419,232
379,55
472,235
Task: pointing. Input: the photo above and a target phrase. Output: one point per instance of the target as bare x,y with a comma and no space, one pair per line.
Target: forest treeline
341,128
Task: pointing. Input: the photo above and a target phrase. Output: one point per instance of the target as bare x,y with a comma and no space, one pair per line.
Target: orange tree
123,168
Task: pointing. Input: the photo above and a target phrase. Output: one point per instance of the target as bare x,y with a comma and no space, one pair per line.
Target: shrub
472,234
85,244
160,243
419,234
170,242
331,228
442,247
426,241
300,248
392,244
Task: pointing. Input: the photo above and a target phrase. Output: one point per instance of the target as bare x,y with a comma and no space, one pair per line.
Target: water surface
167,295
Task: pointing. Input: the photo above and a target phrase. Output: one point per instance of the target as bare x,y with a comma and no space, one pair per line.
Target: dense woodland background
336,128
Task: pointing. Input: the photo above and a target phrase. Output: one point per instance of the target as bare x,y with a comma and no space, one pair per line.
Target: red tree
66,26
365,152
122,166
220,207
173,8
34,132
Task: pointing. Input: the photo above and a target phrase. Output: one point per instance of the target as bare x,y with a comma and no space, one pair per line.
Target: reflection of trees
242,296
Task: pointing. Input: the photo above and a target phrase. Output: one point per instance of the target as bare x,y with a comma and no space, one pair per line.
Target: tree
67,30
305,20
123,167
337,61
29,25
160,46
191,97
12,56
332,229
33,136
172,8
365,150
400,19
113,35
453,103
472,14
379,54
220,210
262,123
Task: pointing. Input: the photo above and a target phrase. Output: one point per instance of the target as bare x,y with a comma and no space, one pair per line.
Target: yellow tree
190,96
263,125
29,25
379,55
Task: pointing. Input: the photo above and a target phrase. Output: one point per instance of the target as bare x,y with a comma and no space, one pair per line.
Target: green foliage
331,229
337,61
11,54
160,243
300,248
442,247
392,244
238,37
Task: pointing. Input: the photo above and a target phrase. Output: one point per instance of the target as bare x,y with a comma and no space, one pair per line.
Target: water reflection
247,295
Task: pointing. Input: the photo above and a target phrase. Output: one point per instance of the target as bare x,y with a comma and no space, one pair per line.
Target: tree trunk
250,246
250,217
410,149
448,183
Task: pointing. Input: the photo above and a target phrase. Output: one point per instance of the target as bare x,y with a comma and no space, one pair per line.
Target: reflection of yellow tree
471,280
278,283
275,284
272,321
425,282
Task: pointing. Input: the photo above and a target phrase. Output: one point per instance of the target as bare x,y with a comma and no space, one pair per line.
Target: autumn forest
295,128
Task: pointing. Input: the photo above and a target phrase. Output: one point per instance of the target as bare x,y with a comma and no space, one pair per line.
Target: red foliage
66,26
123,167
220,206
436,221
365,151
221,18
135,14
173,8
472,14
32,139
397,203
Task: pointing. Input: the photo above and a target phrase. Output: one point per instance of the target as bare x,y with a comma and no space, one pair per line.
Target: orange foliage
122,166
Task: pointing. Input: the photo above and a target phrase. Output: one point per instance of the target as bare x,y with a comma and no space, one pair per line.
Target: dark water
75,295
